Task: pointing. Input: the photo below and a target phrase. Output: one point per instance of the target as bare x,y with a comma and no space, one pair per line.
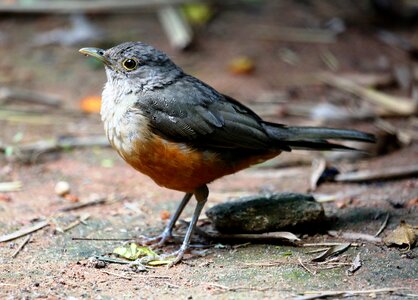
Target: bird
184,134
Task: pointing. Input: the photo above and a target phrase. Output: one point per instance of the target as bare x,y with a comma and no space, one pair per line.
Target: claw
158,241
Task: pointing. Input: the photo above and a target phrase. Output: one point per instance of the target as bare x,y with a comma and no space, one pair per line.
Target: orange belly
179,167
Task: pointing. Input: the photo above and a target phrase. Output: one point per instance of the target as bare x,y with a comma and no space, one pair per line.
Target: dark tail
315,138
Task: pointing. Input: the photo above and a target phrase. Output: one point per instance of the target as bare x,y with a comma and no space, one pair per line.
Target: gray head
137,64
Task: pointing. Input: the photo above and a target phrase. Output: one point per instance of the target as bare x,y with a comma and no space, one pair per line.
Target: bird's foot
176,256
157,241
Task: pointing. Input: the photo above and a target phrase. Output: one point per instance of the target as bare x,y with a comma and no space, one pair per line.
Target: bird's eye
129,64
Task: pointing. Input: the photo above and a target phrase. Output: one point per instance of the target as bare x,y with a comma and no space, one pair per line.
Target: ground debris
308,295
355,236
404,234
12,186
95,200
355,265
24,231
333,250
266,213
381,174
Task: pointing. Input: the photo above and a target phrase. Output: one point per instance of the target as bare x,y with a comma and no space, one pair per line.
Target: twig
84,204
77,6
22,95
321,294
356,236
117,275
382,174
326,244
220,286
12,186
265,264
29,152
250,236
7,284
101,239
397,104
318,168
305,267
23,231
333,250
177,29
316,251
385,223
153,276
25,241
77,222
113,260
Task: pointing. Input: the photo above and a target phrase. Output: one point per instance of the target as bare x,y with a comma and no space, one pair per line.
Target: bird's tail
315,138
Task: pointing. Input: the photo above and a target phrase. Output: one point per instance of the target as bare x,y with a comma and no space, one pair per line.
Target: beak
97,53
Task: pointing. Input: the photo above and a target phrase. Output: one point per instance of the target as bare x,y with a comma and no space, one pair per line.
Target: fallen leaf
162,262
355,265
241,65
91,104
132,251
404,234
334,250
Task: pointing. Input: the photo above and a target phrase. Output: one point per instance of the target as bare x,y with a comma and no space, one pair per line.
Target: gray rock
267,213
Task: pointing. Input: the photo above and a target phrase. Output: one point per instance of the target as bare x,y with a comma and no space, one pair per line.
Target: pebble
62,188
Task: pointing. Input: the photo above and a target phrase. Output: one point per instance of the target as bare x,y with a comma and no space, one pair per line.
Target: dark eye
129,64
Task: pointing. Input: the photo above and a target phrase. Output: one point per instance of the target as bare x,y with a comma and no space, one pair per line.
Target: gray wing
191,112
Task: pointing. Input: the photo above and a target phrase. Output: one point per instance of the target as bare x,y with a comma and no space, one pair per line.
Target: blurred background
335,63
288,60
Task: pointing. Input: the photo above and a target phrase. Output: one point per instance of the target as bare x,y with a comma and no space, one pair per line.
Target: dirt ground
55,266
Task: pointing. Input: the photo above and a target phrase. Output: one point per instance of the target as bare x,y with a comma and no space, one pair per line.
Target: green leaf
132,251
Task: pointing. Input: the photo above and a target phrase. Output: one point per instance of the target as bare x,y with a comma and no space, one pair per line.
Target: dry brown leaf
404,234
334,250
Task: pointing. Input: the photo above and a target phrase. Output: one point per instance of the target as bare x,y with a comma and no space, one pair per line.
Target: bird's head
137,63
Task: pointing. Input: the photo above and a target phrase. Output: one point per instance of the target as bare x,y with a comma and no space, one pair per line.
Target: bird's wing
191,112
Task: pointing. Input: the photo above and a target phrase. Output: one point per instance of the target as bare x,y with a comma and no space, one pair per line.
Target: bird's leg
166,234
201,195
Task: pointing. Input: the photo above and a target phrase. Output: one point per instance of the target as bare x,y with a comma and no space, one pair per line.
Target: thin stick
266,264
355,292
23,231
25,241
224,287
117,275
326,244
356,236
79,6
382,174
394,104
385,223
12,186
100,239
84,204
112,260
77,222
305,267
8,284
153,276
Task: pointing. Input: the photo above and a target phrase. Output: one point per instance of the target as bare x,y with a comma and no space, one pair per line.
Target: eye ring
129,64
